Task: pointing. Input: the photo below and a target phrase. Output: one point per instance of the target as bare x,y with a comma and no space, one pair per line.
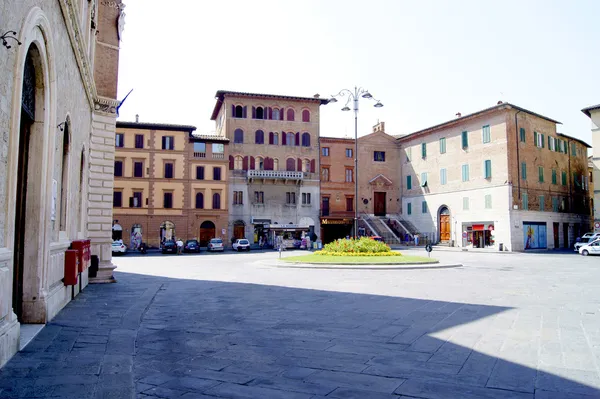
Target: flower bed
364,246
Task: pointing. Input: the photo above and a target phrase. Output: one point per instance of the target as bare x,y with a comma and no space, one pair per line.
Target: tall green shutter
543,141
409,182
465,139
424,150
523,170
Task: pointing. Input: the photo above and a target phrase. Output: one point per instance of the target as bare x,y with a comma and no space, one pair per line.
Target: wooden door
444,227
379,206
239,231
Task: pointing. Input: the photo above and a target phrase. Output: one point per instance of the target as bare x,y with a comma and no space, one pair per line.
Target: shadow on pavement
163,337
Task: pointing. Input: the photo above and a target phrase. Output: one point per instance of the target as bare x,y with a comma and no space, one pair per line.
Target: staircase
379,227
404,225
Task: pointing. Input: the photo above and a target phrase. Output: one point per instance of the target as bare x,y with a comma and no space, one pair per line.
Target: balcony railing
275,174
199,155
218,155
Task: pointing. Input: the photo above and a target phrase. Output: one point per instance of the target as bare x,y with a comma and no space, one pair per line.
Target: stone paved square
234,326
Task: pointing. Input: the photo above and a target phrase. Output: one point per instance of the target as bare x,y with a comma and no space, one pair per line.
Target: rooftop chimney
317,95
458,114
379,127
499,102
137,118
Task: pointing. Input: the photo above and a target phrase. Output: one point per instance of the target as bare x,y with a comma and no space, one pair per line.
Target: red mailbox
83,250
71,267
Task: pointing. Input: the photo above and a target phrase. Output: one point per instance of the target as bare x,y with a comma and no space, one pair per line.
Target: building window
290,165
487,169
564,178
216,173
554,176
275,164
379,156
443,145
348,152
259,136
522,134
487,136
541,174
542,203
167,200
168,142
465,173
573,149
259,113
117,199
465,140
325,174
290,198
276,115
306,116
488,201
349,204
523,170
275,138
238,162
290,139
238,112
139,141
290,115
119,140
538,139
349,175
305,198
238,198
551,143
305,139
306,166
260,163
168,170
443,176
259,197
200,150
136,200
238,136
199,201
409,208
423,150
118,168
199,172
138,169
325,206
216,201
423,179
409,182
409,154
325,151
554,204
465,203
424,207
525,201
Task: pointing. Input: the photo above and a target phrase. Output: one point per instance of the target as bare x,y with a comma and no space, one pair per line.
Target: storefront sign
478,227
287,226
336,221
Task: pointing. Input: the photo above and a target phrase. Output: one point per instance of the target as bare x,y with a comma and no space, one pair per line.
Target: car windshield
216,241
191,242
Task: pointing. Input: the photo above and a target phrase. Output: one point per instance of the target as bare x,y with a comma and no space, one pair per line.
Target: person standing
179,246
416,236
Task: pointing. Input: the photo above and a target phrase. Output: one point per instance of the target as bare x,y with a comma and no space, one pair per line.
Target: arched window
199,201
305,139
259,137
290,165
276,114
216,201
239,112
275,164
290,139
260,113
290,114
306,166
65,178
275,138
306,116
238,136
260,163
238,162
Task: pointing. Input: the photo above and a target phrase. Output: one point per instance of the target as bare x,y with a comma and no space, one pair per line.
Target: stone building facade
57,117
273,164
593,113
503,175
170,182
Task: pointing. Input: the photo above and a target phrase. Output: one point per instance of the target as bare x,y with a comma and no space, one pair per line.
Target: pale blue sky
425,60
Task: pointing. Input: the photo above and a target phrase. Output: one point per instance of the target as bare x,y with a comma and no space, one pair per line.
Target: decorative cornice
106,105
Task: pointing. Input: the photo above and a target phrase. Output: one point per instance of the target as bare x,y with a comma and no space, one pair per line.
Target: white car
587,238
591,248
118,247
215,244
241,244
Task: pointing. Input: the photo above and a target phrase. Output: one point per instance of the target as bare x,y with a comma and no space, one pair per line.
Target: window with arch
216,201
290,165
275,164
238,136
199,201
305,139
64,178
290,139
259,137
290,114
276,114
306,116
306,166
260,113
238,162
260,163
275,138
239,112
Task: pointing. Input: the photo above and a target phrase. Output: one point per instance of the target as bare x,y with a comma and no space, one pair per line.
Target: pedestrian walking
179,246
407,238
416,237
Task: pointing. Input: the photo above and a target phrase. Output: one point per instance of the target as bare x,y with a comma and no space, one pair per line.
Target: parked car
215,244
592,248
241,244
119,248
191,246
587,238
169,247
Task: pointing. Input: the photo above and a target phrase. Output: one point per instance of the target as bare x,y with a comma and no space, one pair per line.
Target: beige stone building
57,115
170,182
273,164
593,113
500,176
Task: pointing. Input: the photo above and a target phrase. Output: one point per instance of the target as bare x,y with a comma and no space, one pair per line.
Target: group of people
415,239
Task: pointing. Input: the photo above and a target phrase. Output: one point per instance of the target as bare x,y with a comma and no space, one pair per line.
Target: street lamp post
354,96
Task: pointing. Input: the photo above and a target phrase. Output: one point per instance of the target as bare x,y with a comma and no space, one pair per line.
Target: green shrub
364,246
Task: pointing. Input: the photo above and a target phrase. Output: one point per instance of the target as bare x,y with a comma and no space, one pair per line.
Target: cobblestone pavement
229,326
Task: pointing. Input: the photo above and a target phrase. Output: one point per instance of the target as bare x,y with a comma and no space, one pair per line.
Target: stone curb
351,266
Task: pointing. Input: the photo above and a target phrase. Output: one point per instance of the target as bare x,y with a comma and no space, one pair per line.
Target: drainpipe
518,160
570,176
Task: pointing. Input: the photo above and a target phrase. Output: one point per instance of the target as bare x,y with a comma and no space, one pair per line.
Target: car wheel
585,252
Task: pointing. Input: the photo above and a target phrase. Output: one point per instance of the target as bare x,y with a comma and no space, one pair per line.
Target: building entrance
379,203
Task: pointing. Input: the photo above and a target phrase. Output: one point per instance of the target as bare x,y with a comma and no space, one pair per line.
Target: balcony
199,155
217,155
275,175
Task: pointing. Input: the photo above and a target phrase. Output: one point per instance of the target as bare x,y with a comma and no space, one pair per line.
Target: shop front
261,232
535,235
478,234
334,228
288,236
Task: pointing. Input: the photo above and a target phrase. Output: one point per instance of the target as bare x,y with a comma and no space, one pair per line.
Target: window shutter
271,138
131,202
299,165
543,140
245,163
231,162
312,166
252,163
409,182
297,139
283,138
164,142
253,112
245,112
269,113
465,139
535,142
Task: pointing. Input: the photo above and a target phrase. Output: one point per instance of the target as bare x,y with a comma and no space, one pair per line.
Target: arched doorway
167,231
239,229
207,231
444,223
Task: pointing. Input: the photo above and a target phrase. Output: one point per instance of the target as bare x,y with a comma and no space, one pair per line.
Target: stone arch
444,225
207,231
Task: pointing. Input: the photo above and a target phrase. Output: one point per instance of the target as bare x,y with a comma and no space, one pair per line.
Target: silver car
215,244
